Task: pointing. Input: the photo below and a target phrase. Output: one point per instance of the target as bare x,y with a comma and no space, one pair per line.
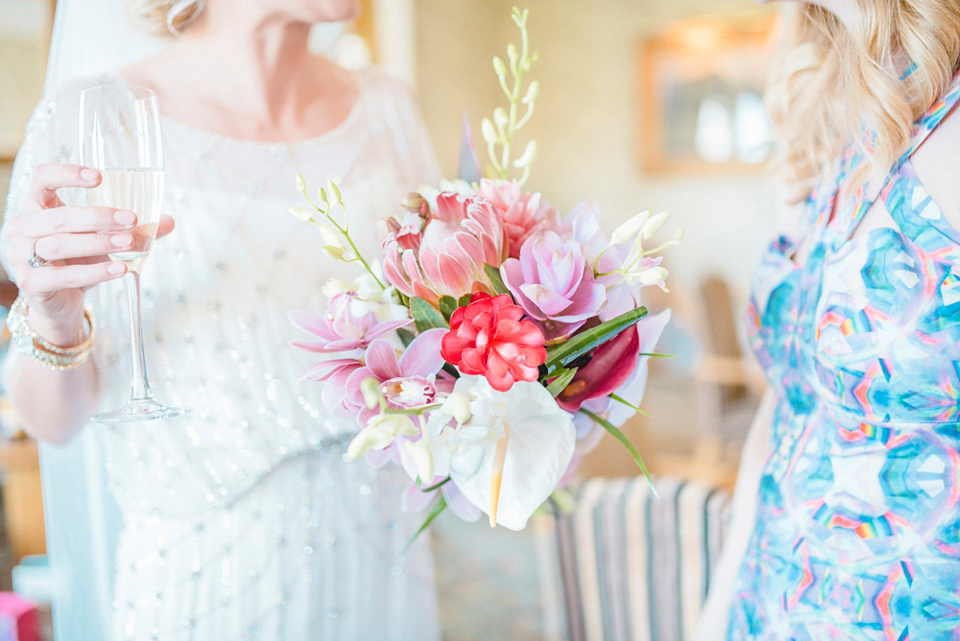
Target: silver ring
34,260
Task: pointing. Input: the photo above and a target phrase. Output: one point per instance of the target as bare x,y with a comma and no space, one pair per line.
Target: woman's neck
247,74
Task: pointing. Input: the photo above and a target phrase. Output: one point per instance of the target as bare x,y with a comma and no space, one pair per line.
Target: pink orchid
522,213
554,283
414,370
339,329
447,257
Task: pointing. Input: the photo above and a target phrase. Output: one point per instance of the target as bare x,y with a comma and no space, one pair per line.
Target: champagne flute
120,137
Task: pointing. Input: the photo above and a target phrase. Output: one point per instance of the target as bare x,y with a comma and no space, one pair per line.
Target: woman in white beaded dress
240,520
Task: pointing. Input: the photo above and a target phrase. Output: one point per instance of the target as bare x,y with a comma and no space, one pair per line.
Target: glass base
144,409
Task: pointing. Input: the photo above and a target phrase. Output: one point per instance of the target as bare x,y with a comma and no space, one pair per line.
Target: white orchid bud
301,214
333,245
380,432
334,189
529,153
653,224
372,396
629,230
500,118
301,185
488,131
458,406
652,276
532,92
421,457
499,67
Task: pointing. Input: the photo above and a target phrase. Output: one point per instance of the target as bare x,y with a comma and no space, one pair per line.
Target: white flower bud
488,131
653,224
370,387
629,230
528,155
458,406
301,214
499,67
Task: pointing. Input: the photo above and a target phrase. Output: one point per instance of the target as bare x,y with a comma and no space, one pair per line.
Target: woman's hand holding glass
57,251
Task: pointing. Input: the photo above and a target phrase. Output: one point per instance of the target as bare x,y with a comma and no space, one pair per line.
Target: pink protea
522,213
554,283
447,256
488,338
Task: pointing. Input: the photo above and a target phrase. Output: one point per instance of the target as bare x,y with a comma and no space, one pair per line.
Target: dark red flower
488,338
609,367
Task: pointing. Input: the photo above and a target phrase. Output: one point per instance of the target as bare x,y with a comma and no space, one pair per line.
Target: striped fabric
627,566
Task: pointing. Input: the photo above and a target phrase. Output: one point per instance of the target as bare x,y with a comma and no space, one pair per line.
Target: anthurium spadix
516,447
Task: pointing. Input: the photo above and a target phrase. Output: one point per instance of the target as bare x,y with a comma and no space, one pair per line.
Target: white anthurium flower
380,432
510,455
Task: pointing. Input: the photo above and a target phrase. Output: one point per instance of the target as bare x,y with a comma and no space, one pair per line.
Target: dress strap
922,128
932,119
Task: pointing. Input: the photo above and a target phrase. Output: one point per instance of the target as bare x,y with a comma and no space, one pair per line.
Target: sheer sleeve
81,517
51,136
35,146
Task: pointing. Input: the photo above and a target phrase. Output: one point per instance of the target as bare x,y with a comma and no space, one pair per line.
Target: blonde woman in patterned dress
240,520
847,511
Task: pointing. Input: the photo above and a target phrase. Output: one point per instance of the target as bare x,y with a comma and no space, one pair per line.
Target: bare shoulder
937,165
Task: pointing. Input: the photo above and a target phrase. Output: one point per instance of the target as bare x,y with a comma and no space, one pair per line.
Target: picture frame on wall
701,84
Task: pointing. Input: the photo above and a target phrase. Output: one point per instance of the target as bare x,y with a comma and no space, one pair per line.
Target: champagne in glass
140,191
120,137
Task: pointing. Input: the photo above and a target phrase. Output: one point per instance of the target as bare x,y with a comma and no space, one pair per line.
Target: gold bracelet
44,352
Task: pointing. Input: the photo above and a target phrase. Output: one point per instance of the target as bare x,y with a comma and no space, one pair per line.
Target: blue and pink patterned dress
857,533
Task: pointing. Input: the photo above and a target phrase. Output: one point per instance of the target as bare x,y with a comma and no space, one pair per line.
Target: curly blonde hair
153,16
831,81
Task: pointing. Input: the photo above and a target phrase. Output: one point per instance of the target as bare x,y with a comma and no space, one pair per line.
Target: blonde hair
830,81
162,17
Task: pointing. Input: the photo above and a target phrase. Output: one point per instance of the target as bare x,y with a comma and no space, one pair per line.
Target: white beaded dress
242,521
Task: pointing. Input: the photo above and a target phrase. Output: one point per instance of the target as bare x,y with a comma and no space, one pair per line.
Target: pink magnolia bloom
339,329
522,213
488,338
447,256
553,282
403,381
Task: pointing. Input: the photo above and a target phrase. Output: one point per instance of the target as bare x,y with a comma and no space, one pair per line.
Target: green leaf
582,343
425,315
464,300
406,336
560,382
636,409
439,506
620,436
448,304
434,487
494,275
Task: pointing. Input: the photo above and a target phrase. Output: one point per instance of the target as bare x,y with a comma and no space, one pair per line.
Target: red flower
487,338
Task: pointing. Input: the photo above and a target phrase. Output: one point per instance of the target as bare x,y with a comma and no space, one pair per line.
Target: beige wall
586,123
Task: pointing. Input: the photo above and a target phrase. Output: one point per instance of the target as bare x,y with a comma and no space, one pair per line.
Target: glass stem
140,388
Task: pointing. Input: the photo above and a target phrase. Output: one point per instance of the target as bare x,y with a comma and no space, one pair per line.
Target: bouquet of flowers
498,341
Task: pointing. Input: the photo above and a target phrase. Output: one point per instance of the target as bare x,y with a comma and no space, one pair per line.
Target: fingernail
121,240
90,175
125,217
116,268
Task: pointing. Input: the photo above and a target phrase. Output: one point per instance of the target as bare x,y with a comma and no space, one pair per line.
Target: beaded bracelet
46,353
